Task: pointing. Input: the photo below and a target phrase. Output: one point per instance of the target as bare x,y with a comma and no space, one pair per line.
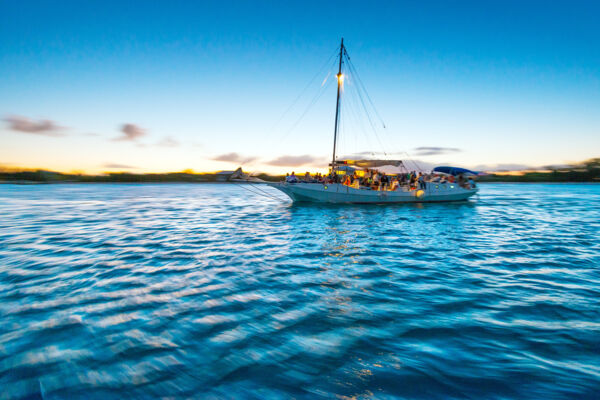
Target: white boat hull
338,193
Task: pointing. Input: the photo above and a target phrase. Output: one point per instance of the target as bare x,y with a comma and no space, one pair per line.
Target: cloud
295,161
43,127
118,166
504,167
432,151
234,157
168,142
131,132
558,166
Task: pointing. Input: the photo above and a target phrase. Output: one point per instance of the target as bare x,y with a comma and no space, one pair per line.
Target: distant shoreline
585,172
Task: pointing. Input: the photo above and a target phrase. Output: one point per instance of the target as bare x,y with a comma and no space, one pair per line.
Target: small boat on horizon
365,185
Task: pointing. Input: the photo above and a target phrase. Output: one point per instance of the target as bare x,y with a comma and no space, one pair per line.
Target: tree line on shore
587,171
43,176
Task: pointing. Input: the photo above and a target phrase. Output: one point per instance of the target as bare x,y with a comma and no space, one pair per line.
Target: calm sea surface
210,291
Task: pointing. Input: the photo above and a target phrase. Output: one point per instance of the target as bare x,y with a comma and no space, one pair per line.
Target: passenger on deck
461,180
335,178
387,180
402,180
347,180
421,180
291,178
376,181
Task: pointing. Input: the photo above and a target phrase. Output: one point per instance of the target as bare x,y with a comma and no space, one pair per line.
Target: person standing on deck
421,180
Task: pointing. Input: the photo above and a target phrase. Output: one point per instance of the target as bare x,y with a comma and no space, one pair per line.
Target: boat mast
337,104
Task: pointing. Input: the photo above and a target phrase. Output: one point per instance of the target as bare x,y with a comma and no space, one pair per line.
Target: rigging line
408,159
353,114
371,121
343,130
365,90
256,186
263,194
259,194
238,184
317,96
354,131
320,70
353,106
359,93
412,161
356,107
312,103
360,89
342,127
387,135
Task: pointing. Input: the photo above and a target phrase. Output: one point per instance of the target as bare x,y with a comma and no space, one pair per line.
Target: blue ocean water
210,291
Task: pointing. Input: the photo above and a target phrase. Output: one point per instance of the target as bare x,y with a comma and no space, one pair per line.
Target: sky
156,86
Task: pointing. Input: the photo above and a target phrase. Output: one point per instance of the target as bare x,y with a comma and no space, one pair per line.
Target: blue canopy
454,171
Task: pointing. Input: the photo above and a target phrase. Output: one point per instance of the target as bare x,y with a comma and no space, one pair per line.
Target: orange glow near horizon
105,171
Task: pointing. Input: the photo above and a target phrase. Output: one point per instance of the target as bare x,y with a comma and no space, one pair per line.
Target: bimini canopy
370,163
454,171
346,168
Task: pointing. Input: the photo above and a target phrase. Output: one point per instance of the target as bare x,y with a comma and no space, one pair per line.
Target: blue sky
166,86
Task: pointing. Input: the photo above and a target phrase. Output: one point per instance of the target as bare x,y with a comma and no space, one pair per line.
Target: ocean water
211,291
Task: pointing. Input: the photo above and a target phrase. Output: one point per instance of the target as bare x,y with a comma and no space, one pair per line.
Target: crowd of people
377,180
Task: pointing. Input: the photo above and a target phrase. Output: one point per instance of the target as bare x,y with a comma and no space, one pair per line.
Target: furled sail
370,163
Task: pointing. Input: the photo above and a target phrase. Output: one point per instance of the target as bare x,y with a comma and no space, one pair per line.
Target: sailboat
337,192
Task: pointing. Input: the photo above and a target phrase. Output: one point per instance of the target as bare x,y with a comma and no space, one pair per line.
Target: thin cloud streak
295,161
234,157
118,166
505,167
131,132
434,151
44,127
168,142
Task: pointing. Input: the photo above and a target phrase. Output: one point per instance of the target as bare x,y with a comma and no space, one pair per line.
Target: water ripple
144,291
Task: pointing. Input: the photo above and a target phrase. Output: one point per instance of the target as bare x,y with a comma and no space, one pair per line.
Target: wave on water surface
115,291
